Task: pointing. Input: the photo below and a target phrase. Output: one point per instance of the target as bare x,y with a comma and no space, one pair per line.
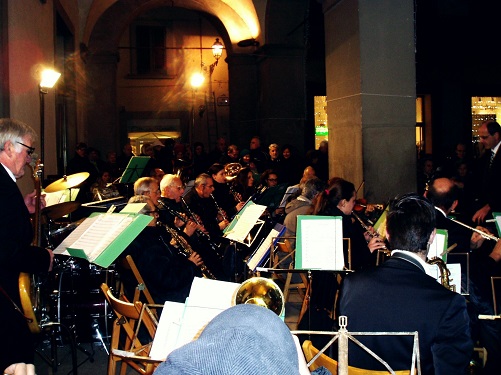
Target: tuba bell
263,292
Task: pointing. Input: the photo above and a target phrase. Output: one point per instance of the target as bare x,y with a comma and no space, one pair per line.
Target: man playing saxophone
167,273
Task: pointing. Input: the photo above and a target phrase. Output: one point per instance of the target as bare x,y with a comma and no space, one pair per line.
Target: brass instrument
231,170
487,236
262,292
445,273
187,250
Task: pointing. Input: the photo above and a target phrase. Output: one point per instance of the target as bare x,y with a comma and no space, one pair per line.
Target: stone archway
106,22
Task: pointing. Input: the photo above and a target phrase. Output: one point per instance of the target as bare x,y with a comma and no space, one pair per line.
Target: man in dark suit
16,234
399,296
488,171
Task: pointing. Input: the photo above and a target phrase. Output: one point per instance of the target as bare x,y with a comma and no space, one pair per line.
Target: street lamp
48,79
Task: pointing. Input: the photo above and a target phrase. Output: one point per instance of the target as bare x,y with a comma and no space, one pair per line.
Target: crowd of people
185,239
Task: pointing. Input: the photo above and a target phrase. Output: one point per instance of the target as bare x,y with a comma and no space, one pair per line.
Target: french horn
231,170
262,292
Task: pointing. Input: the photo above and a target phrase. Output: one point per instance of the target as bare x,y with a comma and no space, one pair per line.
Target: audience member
242,340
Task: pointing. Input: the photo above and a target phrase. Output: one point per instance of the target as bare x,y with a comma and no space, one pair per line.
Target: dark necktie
492,158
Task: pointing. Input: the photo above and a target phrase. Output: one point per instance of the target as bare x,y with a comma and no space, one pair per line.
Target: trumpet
487,236
187,250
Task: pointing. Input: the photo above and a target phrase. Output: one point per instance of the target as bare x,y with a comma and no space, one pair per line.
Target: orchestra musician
222,193
174,213
398,296
166,271
199,202
16,253
243,184
482,265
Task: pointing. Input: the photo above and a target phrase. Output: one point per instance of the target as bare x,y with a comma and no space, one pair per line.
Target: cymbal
67,182
57,211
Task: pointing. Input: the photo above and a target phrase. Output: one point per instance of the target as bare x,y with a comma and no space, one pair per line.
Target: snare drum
77,301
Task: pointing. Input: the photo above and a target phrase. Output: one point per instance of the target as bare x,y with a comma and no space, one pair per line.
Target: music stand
134,169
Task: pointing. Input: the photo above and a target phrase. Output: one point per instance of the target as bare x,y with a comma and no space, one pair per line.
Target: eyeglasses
178,187
153,191
30,151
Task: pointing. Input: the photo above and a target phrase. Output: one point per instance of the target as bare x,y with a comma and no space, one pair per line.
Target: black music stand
134,169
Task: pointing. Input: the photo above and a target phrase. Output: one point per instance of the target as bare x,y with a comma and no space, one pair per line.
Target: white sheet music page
245,222
262,250
439,245
167,330
75,235
321,242
206,300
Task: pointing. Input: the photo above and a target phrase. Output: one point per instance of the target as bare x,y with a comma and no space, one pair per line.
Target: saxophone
186,250
444,273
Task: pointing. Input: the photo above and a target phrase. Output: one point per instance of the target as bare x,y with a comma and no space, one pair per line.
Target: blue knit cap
242,340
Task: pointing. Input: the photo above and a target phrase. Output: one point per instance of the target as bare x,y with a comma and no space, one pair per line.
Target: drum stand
54,329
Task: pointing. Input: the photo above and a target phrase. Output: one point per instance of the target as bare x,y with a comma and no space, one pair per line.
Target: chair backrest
141,285
331,364
130,317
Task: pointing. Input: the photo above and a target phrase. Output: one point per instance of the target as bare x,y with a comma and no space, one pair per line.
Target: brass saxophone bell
263,292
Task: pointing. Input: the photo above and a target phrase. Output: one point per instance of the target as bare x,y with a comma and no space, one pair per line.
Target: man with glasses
167,271
16,234
488,172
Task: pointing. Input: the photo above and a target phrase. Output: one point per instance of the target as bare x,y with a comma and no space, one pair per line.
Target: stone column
101,128
370,74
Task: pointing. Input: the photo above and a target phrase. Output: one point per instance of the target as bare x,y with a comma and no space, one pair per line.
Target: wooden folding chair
125,344
141,292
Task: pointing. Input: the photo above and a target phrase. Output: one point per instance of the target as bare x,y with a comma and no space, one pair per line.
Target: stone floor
92,358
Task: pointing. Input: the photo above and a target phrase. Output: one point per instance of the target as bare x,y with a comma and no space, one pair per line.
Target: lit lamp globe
197,79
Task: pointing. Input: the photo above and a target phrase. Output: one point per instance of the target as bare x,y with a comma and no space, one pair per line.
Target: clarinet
186,250
221,212
212,245
181,217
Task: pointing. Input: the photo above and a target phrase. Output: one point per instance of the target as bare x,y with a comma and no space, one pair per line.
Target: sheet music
245,222
95,234
167,330
206,300
290,191
439,244
321,243
256,258
454,278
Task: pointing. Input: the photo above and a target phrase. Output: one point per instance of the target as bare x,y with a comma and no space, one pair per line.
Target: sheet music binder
497,218
134,169
115,231
319,243
246,225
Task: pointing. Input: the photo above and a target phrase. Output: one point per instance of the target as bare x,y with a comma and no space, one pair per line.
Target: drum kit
70,295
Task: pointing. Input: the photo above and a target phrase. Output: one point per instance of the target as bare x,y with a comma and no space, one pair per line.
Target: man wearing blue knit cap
242,340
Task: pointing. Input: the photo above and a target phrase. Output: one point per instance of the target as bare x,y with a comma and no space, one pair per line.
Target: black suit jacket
488,181
16,255
398,296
